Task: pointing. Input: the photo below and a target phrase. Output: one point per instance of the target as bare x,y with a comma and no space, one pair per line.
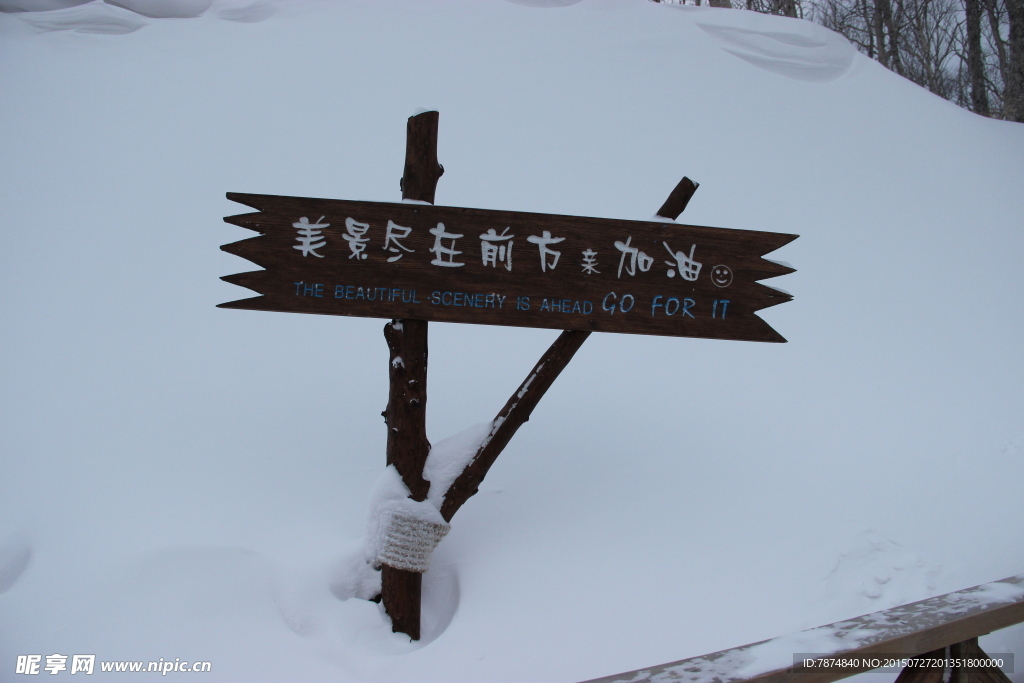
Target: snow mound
250,14
803,51
165,9
355,577
15,554
881,574
38,5
544,3
96,17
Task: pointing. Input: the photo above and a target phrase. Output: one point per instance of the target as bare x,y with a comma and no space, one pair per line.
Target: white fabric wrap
401,532
408,541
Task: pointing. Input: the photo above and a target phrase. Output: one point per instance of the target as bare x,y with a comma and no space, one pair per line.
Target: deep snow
183,481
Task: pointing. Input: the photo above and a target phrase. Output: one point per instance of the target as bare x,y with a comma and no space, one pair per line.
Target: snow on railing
951,620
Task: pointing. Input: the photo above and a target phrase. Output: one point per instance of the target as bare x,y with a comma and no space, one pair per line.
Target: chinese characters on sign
393,241
496,250
308,236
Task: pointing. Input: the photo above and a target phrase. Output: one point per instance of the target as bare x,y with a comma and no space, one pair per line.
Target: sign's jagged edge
774,295
250,221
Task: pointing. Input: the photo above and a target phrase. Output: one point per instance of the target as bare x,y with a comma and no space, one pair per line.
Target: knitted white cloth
408,541
401,532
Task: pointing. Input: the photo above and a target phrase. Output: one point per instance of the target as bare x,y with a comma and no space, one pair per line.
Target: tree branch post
678,199
406,413
516,412
520,405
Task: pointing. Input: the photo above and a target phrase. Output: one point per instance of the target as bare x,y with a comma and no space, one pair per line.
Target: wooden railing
937,632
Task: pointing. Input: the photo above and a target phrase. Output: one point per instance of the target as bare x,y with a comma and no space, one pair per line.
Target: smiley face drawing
721,276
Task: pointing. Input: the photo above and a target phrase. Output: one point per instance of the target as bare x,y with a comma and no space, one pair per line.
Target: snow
777,653
805,52
95,18
185,481
529,380
870,635
449,457
15,553
997,592
164,9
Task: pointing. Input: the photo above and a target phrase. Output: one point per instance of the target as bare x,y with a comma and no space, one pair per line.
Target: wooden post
406,413
419,180
967,649
924,674
678,199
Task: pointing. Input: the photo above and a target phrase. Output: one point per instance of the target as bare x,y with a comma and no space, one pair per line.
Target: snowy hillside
183,481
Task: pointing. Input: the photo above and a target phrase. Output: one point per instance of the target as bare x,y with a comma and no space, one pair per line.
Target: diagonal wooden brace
520,405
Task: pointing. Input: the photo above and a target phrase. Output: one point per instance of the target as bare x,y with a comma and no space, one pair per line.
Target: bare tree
1013,98
975,57
996,46
929,51
942,45
968,51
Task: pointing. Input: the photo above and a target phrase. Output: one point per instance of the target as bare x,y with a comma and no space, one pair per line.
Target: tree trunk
975,59
1013,100
406,414
892,29
997,39
879,27
407,404
868,23
407,451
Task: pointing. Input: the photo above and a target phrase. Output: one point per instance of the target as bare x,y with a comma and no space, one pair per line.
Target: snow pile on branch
400,531
450,457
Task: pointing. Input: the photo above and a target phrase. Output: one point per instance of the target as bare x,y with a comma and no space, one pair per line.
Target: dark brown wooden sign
424,262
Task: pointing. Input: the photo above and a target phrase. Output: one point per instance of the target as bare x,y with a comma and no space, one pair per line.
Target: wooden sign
424,262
